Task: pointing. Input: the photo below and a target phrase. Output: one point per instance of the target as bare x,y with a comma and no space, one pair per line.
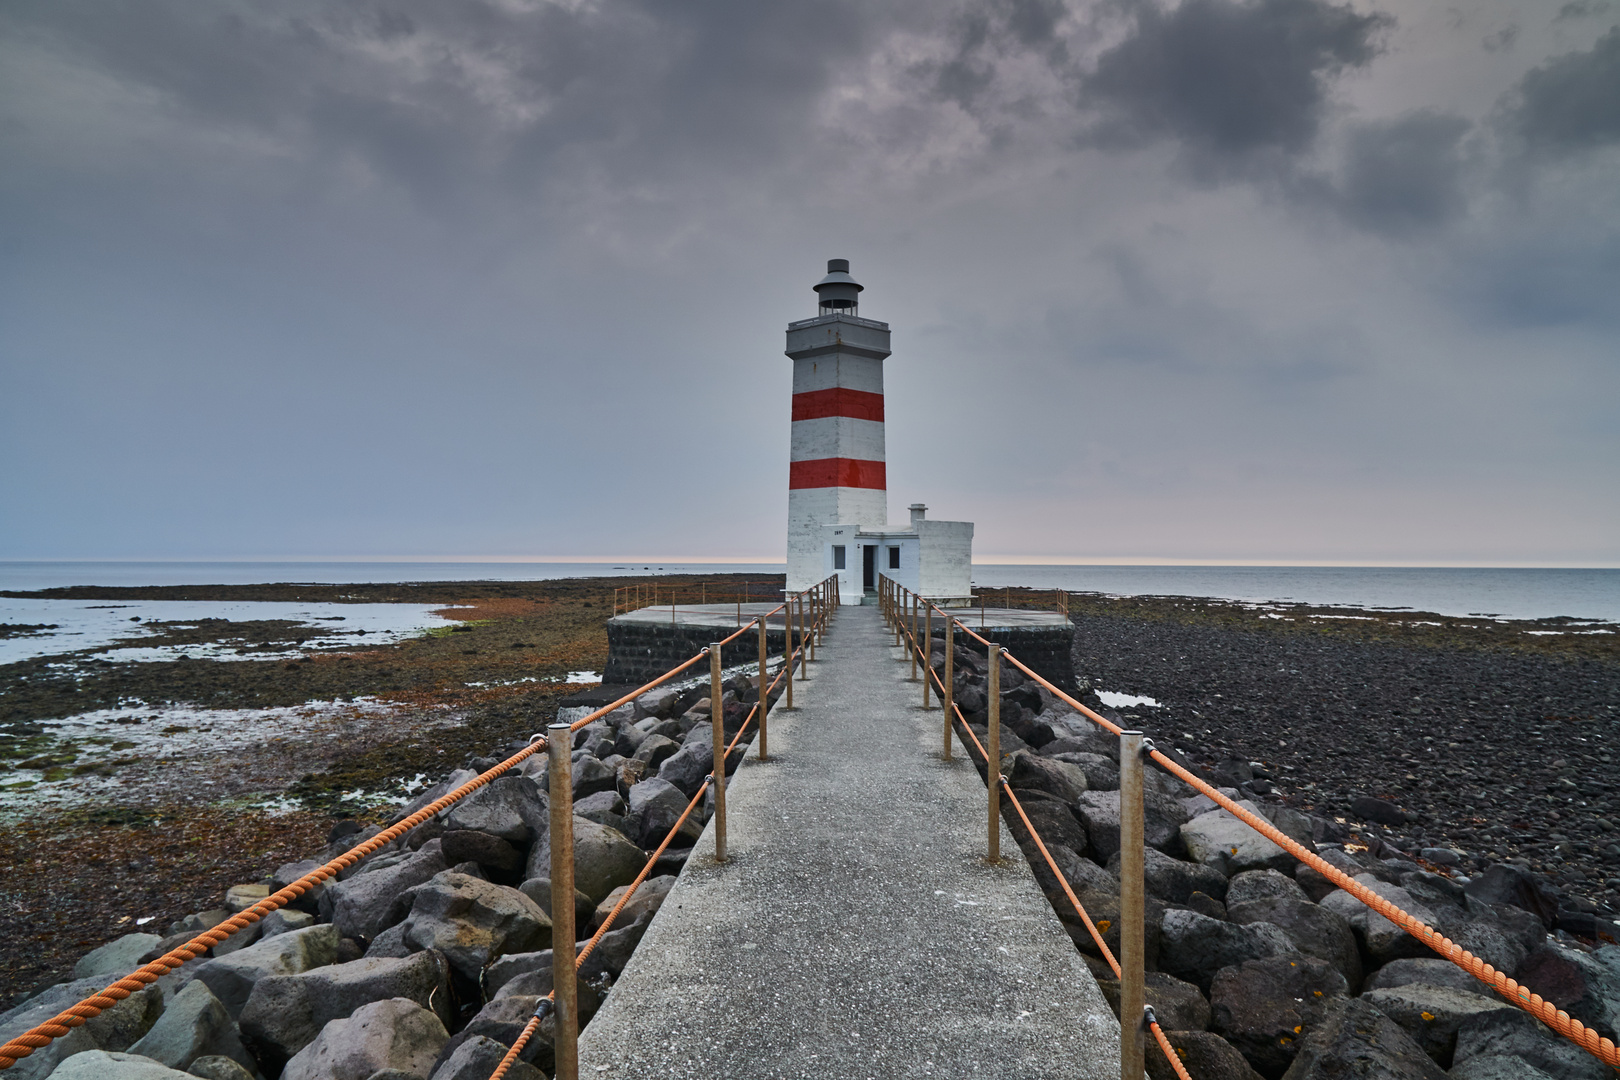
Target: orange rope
1589,1040
534,1022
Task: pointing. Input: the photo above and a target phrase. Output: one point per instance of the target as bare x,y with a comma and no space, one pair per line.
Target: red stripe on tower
836,473
838,401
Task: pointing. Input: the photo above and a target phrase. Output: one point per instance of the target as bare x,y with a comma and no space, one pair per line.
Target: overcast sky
1258,280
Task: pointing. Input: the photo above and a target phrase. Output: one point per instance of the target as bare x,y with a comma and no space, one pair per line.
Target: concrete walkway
856,930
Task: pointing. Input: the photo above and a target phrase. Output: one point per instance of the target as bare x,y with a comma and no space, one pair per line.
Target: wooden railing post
948,695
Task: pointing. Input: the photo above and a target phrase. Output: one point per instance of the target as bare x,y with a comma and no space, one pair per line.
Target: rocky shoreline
1236,936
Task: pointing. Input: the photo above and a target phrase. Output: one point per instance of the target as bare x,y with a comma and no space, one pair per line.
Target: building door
869,566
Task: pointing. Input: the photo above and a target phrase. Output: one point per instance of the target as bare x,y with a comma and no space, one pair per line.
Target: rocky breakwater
1258,966
426,959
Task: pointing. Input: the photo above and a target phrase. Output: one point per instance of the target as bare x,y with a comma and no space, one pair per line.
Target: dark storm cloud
1572,102
1230,80
1404,174
436,96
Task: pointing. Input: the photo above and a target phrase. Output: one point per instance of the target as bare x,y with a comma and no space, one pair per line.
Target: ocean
1512,593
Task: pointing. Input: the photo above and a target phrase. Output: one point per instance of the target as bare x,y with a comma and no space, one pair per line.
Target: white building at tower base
934,559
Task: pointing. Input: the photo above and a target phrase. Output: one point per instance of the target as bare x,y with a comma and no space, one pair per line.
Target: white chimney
918,512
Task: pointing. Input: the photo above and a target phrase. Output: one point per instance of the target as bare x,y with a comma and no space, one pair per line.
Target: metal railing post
928,651
992,773
717,722
948,695
911,633
565,1040
1132,989
764,693
804,668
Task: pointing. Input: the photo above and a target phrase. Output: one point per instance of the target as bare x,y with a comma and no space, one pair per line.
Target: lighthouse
837,457
838,499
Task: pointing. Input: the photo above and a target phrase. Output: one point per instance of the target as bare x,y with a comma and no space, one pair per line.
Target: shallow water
115,628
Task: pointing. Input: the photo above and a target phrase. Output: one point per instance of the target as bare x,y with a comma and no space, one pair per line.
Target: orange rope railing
541,1010
1074,901
44,1034
1560,1021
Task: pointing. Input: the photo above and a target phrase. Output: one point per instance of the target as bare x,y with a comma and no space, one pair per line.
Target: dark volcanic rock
1356,1040
1174,880
1263,1007
1206,1056
1377,811
1194,947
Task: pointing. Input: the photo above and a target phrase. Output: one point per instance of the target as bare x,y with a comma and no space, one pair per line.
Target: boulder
604,859
193,1025
655,805
1377,811
214,1067
1432,1015
512,807
1205,904
390,944
503,1020
1262,885
591,776
1178,1005
238,898
367,904
1514,1033
1505,884
1084,737
286,1012
539,890
101,1065
231,978
1497,1067
644,904
471,921
1053,820
1104,911
1162,820
654,750
115,959
485,849
1315,931
1206,1056
1194,947
1221,841
603,807
287,873
392,1034
688,767
1082,874
1102,773
659,703
1057,778
1382,939
1431,971
116,1029
1356,1040
1577,983
285,921
1264,1007
476,1059
1174,880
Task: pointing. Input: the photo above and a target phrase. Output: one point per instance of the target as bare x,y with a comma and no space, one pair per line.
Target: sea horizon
1500,592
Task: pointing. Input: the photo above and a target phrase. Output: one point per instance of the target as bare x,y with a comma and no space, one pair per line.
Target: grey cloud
1572,102
1503,39
1230,80
1581,9
1404,174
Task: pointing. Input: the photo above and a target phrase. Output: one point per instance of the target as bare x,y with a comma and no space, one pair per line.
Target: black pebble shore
1501,752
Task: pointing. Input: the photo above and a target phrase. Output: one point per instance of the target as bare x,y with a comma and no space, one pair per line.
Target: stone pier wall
640,651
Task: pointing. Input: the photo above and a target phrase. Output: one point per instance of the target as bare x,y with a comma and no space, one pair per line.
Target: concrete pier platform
857,929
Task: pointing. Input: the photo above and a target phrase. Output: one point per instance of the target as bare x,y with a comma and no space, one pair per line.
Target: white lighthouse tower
838,499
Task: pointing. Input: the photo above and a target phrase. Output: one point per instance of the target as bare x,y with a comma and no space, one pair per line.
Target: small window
894,558
838,556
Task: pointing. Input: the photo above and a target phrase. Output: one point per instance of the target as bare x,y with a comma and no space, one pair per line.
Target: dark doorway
869,566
